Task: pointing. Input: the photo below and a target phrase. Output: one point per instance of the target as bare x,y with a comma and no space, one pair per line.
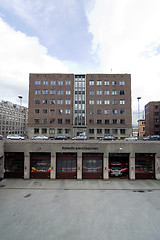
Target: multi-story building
141,128
13,119
152,118
68,104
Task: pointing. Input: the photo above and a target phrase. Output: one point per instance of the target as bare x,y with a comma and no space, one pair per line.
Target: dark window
99,121
122,92
91,131
59,121
68,121
106,121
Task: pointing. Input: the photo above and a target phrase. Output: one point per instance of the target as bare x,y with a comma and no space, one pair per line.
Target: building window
37,92
68,121
44,101
91,130
68,111
122,83
122,131
114,111
68,82
114,131
52,111
45,92
60,101
67,131
122,102
60,83
91,121
52,92
99,111
99,102
114,92
91,92
106,83
106,102
107,131
59,130
36,130
68,92
114,121
114,102
122,92
60,111
60,92
106,92
44,121
36,121
37,82
68,102
91,101
106,121
91,111
44,130
52,101
99,92
122,111
91,82
99,131
99,82
59,120
99,121
45,82
52,120
122,121
44,111
51,130
114,83
53,82
37,111
106,111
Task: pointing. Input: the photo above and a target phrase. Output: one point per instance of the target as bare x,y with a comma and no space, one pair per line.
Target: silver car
42,137
15,137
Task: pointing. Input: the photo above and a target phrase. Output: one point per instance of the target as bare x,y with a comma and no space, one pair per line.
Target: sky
80,36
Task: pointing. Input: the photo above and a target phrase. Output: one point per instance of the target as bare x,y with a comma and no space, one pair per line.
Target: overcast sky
80,36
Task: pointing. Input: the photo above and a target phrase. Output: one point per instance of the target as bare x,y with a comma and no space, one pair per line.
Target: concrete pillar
105,168
157,167
79,165
132,168
1,167
26,166
53,168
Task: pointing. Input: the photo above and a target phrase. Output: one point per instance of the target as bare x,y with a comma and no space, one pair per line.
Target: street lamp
138,98
20,98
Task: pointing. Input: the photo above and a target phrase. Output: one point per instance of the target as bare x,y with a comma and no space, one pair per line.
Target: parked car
42,137
61,138
1,137
108,137
15,137
80,137
152,138
131,138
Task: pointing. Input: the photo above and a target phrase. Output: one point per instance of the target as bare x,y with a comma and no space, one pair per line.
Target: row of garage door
92,165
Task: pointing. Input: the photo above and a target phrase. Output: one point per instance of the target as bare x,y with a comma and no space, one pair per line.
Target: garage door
66,165
40,165
14,165
144,166
119,165
92,166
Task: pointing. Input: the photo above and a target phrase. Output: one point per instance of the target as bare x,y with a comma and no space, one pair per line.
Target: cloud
20,55
126,39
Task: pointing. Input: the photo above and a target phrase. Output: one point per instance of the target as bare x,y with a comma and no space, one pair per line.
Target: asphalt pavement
79,209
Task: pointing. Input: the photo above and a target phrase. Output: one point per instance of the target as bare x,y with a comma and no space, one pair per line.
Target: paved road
79,210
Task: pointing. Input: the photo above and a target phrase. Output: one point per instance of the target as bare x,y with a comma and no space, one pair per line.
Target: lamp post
20,98
138,98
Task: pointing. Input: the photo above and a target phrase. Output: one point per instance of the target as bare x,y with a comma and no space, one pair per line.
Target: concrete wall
79,147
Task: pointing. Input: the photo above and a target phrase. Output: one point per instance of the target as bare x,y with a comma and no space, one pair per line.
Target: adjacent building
73,104
13,119
152,118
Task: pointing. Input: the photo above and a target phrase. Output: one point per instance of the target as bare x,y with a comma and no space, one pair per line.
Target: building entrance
145,166
14,165
119,165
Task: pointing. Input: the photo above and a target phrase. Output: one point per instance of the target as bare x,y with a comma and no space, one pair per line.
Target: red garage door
92,165
40,165
145,166
66,165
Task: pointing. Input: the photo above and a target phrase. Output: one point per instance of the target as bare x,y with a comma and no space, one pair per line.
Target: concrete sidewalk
80,184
